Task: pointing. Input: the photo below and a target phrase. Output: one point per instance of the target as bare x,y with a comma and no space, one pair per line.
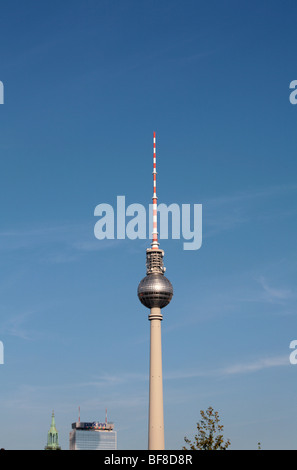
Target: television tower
155,292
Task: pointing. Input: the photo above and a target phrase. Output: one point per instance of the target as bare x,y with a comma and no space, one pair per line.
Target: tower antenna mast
155,244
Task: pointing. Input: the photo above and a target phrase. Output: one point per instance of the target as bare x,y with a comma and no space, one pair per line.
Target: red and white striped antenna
155,244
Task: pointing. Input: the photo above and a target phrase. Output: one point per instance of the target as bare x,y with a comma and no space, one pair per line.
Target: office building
92,436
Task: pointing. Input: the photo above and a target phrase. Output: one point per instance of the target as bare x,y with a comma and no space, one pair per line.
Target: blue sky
86,83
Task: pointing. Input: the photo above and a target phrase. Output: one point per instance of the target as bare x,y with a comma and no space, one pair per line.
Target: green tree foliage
209,435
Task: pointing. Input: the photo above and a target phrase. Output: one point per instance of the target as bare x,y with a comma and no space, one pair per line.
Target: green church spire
52,436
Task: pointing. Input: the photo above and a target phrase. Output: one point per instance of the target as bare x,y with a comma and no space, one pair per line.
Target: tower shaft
156,414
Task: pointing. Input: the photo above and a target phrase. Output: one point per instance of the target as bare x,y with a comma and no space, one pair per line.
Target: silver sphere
155,290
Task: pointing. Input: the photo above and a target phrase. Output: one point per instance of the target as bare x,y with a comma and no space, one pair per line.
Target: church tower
52,436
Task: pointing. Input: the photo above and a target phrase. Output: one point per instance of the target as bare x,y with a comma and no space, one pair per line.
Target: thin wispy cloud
273,294
55,244
228,212
78,237
16,325
255,193
256,365
24,238
232,369
110,380
97,245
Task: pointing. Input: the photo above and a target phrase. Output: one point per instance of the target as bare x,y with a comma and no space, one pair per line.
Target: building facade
92,436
